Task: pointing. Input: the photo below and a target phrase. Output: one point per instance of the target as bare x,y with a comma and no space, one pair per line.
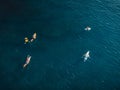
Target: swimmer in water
33,37
26,40
27,61
86,56
88,28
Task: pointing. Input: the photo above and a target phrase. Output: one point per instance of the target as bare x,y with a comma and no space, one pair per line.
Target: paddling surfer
27,61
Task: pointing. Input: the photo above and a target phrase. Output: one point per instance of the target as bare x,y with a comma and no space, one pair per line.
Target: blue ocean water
56,62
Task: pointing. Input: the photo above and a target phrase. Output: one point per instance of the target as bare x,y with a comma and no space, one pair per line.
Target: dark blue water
56,62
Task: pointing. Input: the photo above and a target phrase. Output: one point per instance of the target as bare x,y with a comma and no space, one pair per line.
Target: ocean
57,62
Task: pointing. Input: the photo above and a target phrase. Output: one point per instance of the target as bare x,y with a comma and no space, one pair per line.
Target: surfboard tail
24,65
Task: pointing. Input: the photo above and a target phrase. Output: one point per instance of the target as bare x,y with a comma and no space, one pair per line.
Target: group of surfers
26,40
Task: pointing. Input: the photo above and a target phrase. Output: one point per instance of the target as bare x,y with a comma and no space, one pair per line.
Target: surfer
88,28
33,37
27,61
26,40
86,56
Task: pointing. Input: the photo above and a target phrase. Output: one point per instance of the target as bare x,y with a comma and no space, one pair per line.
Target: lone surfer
88,28
86,56
27,61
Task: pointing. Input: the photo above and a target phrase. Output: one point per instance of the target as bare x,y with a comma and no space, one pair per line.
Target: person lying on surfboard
33,37
27,61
